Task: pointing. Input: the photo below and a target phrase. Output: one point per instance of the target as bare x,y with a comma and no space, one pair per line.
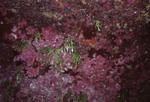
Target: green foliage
37,36
45,50
83,97
21,45
47,53
76,58
19,78
20,75
98,25
69,45
57,61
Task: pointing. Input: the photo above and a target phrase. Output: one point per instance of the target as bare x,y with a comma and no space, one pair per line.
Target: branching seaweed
37,36
98,25
76,58
47,53
69,45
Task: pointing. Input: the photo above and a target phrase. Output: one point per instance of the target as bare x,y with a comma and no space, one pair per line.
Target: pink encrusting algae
75,51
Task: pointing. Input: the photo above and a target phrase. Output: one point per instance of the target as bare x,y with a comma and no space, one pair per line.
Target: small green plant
37,36
57,61
76,58
20,75
21,45
47,53
45,50
83,97
98,25
69,45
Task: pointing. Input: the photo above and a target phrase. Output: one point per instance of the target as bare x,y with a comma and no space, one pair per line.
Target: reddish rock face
54,51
